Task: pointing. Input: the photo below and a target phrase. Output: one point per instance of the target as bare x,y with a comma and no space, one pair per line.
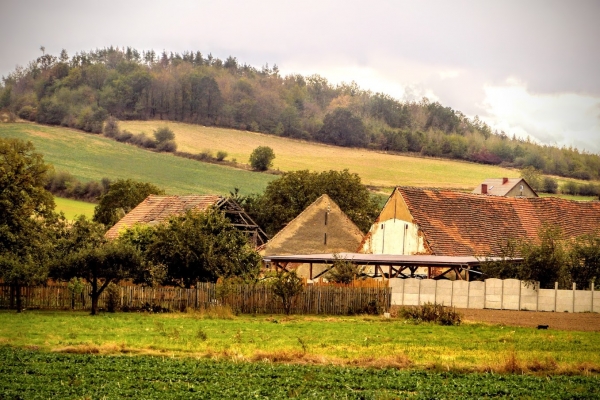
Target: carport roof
385,259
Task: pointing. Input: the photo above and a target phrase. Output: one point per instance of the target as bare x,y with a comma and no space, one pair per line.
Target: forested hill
83,90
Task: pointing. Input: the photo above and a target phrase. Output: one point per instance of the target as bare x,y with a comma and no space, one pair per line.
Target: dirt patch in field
562,321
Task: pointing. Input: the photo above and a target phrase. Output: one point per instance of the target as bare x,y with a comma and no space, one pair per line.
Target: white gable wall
394,236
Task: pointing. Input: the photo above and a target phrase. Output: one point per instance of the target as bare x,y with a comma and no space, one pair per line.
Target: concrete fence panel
477,295
564,300
546,299
397,288
583,301
460,294
443,292
428,293
529,296
596,301
511,294
412,290
493,293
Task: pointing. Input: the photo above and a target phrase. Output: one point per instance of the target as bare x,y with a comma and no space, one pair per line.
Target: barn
158,209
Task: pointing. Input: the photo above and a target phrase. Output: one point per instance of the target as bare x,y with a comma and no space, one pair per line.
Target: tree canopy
262,158
287,196
122,196
202,247
84,90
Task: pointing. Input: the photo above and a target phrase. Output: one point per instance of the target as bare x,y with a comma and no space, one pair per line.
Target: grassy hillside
72,208
375,168
89,156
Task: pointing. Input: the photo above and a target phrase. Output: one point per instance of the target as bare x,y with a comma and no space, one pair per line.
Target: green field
219,355
72,208
375,168
362,341
33,374
92,157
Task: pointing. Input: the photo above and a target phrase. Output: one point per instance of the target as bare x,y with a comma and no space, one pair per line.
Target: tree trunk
18,296
94,295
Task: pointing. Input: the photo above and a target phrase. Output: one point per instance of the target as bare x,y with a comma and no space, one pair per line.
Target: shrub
344,271
164,134
111,127
124,136
433,312
113,297
27,112
142,140
205,155
221,155
261,158
550,185
168,146
286,286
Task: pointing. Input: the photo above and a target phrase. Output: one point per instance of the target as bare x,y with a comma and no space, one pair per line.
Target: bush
124,136
164,134
27,112
344,271
261,158
142,140
205,155
113,298
432,312
221,155
111,127
286,286
550,185
168,146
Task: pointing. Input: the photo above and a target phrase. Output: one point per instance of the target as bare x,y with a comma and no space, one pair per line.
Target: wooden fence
240,298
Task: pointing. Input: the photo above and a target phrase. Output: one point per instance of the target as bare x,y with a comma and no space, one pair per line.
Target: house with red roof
447,223
507,187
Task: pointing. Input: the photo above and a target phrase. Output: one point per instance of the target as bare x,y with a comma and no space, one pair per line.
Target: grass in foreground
344,341
32,374
73,208
93,157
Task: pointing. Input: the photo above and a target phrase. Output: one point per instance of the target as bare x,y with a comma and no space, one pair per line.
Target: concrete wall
508,294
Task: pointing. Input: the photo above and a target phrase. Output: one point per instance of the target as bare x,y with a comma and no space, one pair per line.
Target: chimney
504,181
483,188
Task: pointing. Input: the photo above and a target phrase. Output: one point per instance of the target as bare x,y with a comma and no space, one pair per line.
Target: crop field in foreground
93,157
345,341
35,374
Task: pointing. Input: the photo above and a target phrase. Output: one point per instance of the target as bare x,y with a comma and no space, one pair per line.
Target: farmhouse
507,187
157,209
446,223
321,228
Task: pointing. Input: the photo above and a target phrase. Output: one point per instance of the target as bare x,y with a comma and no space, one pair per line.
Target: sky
529,68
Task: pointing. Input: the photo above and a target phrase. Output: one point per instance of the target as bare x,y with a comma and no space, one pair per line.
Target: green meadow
73,208
350,341
93,157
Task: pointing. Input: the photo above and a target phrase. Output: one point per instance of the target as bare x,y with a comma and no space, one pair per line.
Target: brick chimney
483,188
504,181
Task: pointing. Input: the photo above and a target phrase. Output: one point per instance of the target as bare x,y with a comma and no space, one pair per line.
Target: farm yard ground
557,321
589,322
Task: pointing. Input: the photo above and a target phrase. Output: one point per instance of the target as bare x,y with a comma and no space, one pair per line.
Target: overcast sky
525,67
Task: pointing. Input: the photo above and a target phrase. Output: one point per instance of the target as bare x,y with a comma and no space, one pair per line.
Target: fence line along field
329,300
93,157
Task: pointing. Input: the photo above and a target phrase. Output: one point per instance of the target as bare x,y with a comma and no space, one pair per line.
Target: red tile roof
461,224
160,208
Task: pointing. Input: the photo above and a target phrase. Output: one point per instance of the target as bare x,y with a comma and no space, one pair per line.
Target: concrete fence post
419,295
574,288
403,289
469,293
484,293
537,296
502,296
435,294
592,289
519,306
555,295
